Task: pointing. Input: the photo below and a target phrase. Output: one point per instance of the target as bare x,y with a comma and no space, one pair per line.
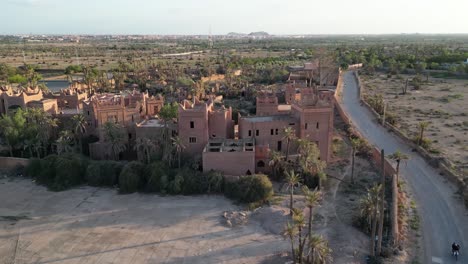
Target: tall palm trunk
373,231
147,156
398,171
394,212
421,134
352,166
301,244
291,201
287,150
382,205
309,229
293,252
178,156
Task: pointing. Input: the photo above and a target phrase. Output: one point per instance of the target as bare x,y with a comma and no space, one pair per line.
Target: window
317,126
271,131
129,136
192,124
250,133
192,140
261,164
257,132
280,143
276,131
306,126
88,112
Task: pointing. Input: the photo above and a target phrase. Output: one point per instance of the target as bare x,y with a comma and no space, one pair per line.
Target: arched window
261,164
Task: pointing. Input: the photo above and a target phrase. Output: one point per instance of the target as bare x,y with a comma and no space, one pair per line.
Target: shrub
153,174
103,173
201,183
46,175
58,173
131,179
34,168
250,189
175,186
69,171
310,180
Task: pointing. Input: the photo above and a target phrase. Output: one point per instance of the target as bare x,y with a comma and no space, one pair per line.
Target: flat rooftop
151,123
230,145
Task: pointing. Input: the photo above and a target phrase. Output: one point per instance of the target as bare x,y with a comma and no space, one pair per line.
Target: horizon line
226,34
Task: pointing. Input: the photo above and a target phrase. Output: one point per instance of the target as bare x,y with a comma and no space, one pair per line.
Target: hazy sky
196,16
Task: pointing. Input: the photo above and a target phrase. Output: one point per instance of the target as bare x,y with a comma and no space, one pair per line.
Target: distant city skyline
188,17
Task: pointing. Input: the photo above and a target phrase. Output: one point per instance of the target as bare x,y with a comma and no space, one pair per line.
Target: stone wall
10,163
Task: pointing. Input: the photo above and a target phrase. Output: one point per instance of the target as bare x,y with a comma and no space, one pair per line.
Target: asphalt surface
443,216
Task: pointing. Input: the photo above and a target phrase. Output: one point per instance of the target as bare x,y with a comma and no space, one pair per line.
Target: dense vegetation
66,171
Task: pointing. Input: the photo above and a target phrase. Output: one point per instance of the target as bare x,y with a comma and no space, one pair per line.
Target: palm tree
114,135
275,162
289,135
422,126
79,127
371,207
64,142
145,146
355,144
292,179
398,157
320,252
290,232
179,147
312,200
299,221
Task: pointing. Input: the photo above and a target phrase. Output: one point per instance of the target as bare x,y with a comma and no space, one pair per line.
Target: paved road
444,218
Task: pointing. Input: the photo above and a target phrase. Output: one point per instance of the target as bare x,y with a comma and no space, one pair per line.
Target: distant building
20,97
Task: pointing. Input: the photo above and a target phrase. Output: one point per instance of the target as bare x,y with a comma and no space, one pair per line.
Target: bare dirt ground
93,225
442,102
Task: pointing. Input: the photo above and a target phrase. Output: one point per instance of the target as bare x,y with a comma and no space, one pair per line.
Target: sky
169,17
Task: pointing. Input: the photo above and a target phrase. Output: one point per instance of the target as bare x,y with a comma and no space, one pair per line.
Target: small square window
192,124
250,133
257,132
276,131
271,131
192,140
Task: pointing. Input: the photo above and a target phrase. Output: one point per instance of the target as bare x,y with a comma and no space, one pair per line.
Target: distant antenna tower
210,39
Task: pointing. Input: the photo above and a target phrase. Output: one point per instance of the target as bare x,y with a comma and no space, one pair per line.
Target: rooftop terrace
230,145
